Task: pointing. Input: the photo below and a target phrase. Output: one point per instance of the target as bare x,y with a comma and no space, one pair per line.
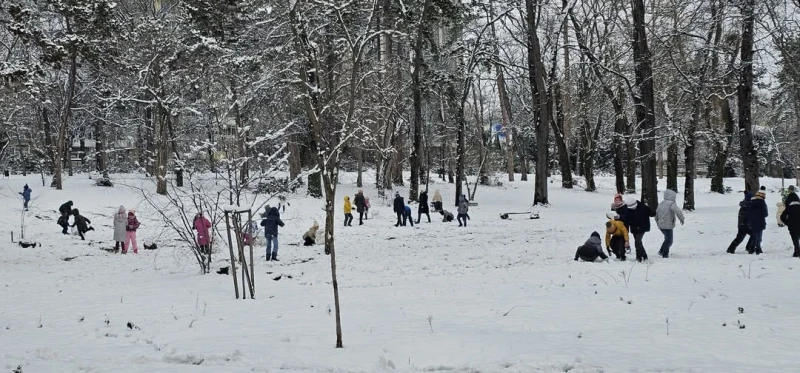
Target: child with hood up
81,223
271,224
120,222
310,237
26,196
591,250
463,210
617,240
665,220
348,212
202,226
130,233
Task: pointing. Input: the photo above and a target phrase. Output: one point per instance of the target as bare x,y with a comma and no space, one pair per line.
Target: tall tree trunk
360,160
48,138
162,152
566,106
416,93
477,104
101,156
744,95
672,164
461,149
555,100
66,114
589,139
295,163
645,105
536,76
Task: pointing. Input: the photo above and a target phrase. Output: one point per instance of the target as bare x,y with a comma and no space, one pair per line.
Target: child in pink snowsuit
130,232
202,226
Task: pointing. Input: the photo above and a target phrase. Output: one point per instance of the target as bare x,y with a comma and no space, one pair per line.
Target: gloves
627,245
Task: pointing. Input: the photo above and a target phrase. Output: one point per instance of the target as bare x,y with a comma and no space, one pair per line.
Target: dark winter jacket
791,216
80,221
591,250
66,208
271,222
423,203
625,215
744,206
757,213
639,218
26,194
399,204
463,206
359,201
447,216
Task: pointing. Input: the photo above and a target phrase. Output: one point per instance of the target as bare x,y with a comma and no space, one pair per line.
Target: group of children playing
125,226
632,217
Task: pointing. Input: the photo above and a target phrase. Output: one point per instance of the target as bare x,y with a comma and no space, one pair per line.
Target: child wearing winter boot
348,212
463,211
617,240
591,250
81,223
407,219
120,221
130,233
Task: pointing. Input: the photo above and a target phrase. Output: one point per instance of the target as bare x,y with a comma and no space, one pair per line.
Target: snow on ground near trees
498,296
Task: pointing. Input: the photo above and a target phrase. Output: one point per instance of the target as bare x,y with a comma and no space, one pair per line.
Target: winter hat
361,191
761,194
595,234
791,188
631,202
26,187
397,194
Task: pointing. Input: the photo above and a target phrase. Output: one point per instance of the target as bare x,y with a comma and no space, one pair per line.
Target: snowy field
497,296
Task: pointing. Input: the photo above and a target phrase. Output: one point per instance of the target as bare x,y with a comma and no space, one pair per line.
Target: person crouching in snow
271,224
120,221
665,220
407,219
791,218
591,250
447,216
131,227
348,212
81,223
617,240
310,237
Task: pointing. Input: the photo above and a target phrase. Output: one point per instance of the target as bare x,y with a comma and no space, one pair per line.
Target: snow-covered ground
497,296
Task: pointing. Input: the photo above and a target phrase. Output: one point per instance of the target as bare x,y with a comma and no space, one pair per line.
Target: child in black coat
82,223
